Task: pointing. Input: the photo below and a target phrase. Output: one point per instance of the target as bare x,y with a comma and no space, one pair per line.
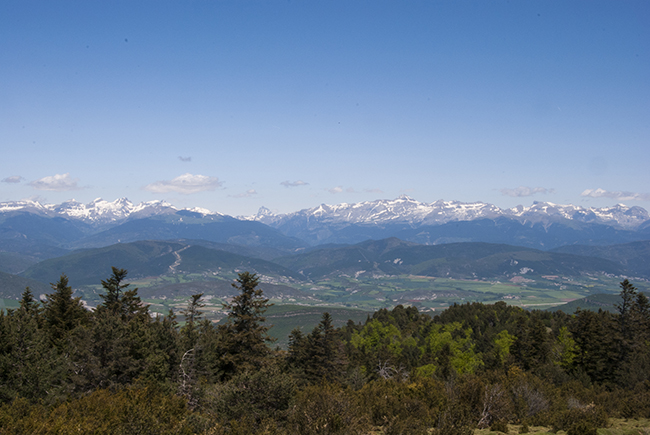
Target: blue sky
233,105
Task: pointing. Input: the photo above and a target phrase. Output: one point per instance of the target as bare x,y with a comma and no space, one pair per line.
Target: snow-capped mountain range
99,211
405,210
543,225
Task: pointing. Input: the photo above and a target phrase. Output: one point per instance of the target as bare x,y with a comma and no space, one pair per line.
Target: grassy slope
617,426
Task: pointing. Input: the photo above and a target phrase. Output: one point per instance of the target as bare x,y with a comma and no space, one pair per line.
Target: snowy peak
618,215
405,210
98,211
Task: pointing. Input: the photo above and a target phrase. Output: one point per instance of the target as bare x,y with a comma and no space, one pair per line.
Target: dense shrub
588,416
255,396
327,409
499,426
146,411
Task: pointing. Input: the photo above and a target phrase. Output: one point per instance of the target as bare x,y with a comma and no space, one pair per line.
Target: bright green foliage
502,343
377,336
564,349
451,346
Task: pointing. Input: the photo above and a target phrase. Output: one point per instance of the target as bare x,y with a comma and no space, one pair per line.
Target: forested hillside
118,369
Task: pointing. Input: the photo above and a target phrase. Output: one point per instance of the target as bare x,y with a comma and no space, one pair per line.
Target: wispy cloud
293,183
185,159
185,184
13,179
623,196
58,183
526,191
335,190
373,191
246,194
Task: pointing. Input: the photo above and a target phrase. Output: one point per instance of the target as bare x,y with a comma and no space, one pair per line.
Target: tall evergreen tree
120,301
62,312
625,311
326,359
245,333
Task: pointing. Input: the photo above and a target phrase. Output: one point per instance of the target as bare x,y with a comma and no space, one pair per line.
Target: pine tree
325,358
628,295
120,301
245,333
62,312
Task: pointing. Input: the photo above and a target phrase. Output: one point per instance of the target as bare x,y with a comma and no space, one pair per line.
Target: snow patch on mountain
99,211
405,210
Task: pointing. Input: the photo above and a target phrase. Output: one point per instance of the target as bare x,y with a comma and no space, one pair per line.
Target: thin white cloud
373,190
350,190
58,183
246,194
622,196
13,179
521,191
293,183
185,184
185,159
335,190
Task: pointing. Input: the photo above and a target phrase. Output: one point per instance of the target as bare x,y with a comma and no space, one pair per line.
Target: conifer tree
325,356
62,312
29,304
245,333
120,301
628,295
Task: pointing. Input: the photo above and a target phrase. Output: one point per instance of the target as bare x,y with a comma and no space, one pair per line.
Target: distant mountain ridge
403,209
99,211
29,226
406,210
454,260
543,225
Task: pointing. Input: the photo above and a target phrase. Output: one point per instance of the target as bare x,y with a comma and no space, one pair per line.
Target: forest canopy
118,369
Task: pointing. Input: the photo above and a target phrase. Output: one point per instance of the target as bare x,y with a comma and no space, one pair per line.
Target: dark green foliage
320,355
63,313
30,366
119,301
597,342
190,331
245,333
